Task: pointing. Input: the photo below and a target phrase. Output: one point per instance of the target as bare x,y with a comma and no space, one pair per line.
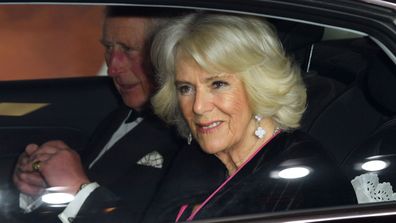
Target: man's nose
116,63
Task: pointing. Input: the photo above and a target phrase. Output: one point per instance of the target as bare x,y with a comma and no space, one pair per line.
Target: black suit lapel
124,154
103,134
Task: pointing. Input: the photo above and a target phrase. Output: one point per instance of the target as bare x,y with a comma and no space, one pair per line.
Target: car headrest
294,35
381,84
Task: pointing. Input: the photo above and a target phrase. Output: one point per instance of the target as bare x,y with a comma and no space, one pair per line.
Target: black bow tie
133,115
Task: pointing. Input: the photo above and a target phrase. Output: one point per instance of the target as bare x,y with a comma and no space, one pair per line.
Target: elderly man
130,150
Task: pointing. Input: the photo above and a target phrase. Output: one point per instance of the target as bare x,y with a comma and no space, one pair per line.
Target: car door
35,111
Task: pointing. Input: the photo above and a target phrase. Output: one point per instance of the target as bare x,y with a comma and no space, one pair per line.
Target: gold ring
36,165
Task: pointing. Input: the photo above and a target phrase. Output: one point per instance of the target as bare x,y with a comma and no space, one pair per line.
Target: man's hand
25,179
60,166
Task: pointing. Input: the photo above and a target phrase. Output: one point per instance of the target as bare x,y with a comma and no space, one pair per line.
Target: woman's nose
202,102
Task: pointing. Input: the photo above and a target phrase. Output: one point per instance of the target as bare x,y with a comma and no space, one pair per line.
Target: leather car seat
381,145
352,116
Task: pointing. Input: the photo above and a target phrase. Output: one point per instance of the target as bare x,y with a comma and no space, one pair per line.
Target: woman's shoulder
298,136
298,145
298,140
299,149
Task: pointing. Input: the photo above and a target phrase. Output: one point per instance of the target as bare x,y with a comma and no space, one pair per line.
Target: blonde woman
227,83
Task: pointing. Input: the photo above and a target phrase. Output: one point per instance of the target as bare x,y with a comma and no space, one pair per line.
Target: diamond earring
260,132
189,139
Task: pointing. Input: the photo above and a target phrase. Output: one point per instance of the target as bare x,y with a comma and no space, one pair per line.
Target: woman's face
215,107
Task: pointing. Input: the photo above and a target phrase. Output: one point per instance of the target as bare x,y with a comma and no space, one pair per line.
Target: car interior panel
336,103
356,114
380,145
97,98
350,105
299,40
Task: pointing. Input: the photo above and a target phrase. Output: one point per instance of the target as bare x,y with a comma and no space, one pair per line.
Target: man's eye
107,46
126,48
219,84
184,89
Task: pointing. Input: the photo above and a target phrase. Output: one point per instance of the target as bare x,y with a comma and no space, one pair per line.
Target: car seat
299,41
351,116
381,145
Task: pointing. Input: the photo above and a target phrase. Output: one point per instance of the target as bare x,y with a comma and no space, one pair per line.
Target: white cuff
70,212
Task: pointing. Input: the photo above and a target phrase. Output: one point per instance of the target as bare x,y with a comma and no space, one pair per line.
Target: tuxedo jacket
118,171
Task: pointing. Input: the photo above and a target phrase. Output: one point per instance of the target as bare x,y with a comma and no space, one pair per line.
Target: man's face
124,39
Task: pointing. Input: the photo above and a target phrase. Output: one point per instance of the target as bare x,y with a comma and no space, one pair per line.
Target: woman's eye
219,84
184,89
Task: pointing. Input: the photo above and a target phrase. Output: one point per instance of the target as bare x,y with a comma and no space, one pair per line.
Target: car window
332,33
50,41
350,80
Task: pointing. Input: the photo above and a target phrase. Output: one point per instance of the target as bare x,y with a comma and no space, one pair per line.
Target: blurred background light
374,165
294,172
57,198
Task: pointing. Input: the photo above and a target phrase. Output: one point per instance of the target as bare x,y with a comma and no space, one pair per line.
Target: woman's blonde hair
246,46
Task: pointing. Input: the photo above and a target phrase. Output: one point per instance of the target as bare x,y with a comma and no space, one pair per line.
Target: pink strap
228,179
181,211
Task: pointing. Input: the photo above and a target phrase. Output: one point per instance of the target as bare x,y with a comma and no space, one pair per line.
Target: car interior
338,74
75,107
350,107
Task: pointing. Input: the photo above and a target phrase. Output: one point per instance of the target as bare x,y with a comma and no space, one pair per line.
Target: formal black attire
118,171
256,188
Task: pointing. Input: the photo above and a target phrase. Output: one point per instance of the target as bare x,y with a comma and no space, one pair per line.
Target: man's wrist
74,206
76,187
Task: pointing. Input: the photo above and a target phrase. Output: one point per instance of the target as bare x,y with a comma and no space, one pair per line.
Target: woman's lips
208,127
